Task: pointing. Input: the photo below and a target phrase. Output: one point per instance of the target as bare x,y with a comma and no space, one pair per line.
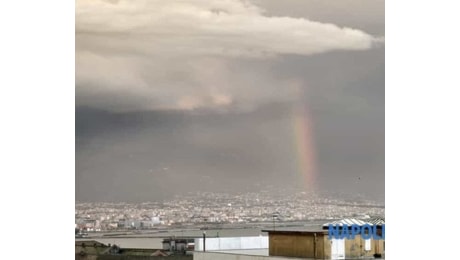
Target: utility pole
204,241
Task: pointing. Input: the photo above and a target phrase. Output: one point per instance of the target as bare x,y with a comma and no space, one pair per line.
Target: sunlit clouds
147,54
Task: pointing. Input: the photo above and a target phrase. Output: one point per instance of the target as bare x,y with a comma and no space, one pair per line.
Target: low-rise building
315,242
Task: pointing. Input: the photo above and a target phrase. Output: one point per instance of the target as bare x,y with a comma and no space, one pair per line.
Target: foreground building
314,242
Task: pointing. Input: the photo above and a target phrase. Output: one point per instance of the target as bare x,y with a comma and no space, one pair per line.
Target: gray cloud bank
147,54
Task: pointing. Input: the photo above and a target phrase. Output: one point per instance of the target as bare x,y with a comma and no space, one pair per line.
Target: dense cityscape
208,208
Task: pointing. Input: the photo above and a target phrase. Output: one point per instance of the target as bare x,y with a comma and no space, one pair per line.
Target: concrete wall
231,243
131,257
225,256
123,257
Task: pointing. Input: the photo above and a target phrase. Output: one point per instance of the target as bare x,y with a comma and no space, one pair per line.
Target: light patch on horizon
133,55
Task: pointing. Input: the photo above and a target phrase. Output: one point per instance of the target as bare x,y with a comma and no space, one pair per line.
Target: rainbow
305,148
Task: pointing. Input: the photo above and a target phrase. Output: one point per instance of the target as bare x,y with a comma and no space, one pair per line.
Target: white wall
225,256
231,243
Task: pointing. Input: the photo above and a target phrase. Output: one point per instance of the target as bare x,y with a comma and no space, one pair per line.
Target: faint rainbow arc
304,145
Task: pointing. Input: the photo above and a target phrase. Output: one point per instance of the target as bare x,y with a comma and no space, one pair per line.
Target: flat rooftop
306,229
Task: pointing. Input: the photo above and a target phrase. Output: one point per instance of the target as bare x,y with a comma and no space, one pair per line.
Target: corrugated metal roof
376,221
354,221
346,221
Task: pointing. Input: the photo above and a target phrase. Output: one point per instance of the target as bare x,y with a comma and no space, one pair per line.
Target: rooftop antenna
275,216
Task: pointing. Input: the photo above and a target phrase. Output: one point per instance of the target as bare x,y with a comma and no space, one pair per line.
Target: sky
228,96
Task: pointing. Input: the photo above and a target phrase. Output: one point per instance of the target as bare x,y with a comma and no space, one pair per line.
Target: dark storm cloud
146,152
118,153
